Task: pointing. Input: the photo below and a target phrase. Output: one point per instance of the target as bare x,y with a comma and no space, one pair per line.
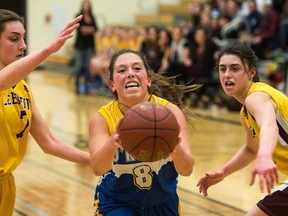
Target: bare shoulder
259,100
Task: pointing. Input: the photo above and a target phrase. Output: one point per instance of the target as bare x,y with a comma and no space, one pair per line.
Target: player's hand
115,141
208,180
64,35
267,172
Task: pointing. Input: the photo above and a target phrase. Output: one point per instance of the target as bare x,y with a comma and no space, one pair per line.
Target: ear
149,81
111,85
253,73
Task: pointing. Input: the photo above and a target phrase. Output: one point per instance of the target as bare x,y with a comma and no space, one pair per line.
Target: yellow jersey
113,114
280,154
15,122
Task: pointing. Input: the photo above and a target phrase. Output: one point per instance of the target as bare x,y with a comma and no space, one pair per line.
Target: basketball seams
155,130
153,153
149,119
148,131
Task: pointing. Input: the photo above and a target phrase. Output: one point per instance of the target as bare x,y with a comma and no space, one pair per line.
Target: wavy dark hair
244,52
162,86
8,16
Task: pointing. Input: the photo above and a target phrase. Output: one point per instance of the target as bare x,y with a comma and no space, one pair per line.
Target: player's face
12,44
233,76
130,79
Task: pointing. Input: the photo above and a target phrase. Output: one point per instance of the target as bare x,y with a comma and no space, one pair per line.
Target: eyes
15,38
223,69
124,68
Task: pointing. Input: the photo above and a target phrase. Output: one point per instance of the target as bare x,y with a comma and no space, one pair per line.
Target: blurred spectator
264,40
238,25
107,41
206,23
233,8
84,47
253,16
221,7
164,41
176,60
203,56
133,40
194,14
283,29
150,48
218,37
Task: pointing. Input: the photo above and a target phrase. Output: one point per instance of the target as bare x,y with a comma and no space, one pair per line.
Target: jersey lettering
13,99
22,115
128,157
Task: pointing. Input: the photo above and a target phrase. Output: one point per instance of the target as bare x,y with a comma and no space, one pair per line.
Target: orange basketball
148,132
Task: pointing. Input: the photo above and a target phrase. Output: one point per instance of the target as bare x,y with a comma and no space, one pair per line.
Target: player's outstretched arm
50,144
18,70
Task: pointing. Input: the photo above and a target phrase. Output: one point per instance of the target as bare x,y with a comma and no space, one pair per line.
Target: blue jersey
137,184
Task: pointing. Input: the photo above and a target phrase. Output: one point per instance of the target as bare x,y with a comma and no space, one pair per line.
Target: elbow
97,171
187,173
47,149
187,170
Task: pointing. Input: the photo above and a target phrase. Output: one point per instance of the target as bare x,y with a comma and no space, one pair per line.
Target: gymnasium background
46,18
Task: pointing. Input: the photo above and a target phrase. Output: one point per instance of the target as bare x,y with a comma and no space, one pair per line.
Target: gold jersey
112,113
15,122
280,154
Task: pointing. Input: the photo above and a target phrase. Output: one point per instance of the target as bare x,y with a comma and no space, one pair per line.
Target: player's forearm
183,161
102,160
239,161
18,70
268,140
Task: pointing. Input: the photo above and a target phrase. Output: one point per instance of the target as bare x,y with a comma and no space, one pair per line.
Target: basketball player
19,115
264,115
129,187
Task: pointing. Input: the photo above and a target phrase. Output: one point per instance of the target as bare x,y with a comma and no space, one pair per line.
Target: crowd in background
188,49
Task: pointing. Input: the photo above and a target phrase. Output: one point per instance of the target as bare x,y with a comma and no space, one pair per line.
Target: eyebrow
16,33
134,63
231,65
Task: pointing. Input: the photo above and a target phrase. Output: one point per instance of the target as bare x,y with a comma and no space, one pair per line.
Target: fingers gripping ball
149,132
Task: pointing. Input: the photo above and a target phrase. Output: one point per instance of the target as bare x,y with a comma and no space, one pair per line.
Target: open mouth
132,85
229,84
20,56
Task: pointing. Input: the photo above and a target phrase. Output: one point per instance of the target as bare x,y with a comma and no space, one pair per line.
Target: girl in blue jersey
264,116
128,187
19,115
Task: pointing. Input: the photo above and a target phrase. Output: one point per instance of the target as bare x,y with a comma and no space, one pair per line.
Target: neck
243,96
124,107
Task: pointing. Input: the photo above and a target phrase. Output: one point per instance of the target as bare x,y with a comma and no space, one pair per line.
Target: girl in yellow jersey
264,115
129,187
19,115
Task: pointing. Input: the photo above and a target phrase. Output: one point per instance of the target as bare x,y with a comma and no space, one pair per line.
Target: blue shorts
105,206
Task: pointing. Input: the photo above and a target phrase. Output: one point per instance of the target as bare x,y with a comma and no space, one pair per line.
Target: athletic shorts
105,206
276,204
7,194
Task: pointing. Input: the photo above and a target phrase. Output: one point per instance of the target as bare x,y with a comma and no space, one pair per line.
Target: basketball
148,132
